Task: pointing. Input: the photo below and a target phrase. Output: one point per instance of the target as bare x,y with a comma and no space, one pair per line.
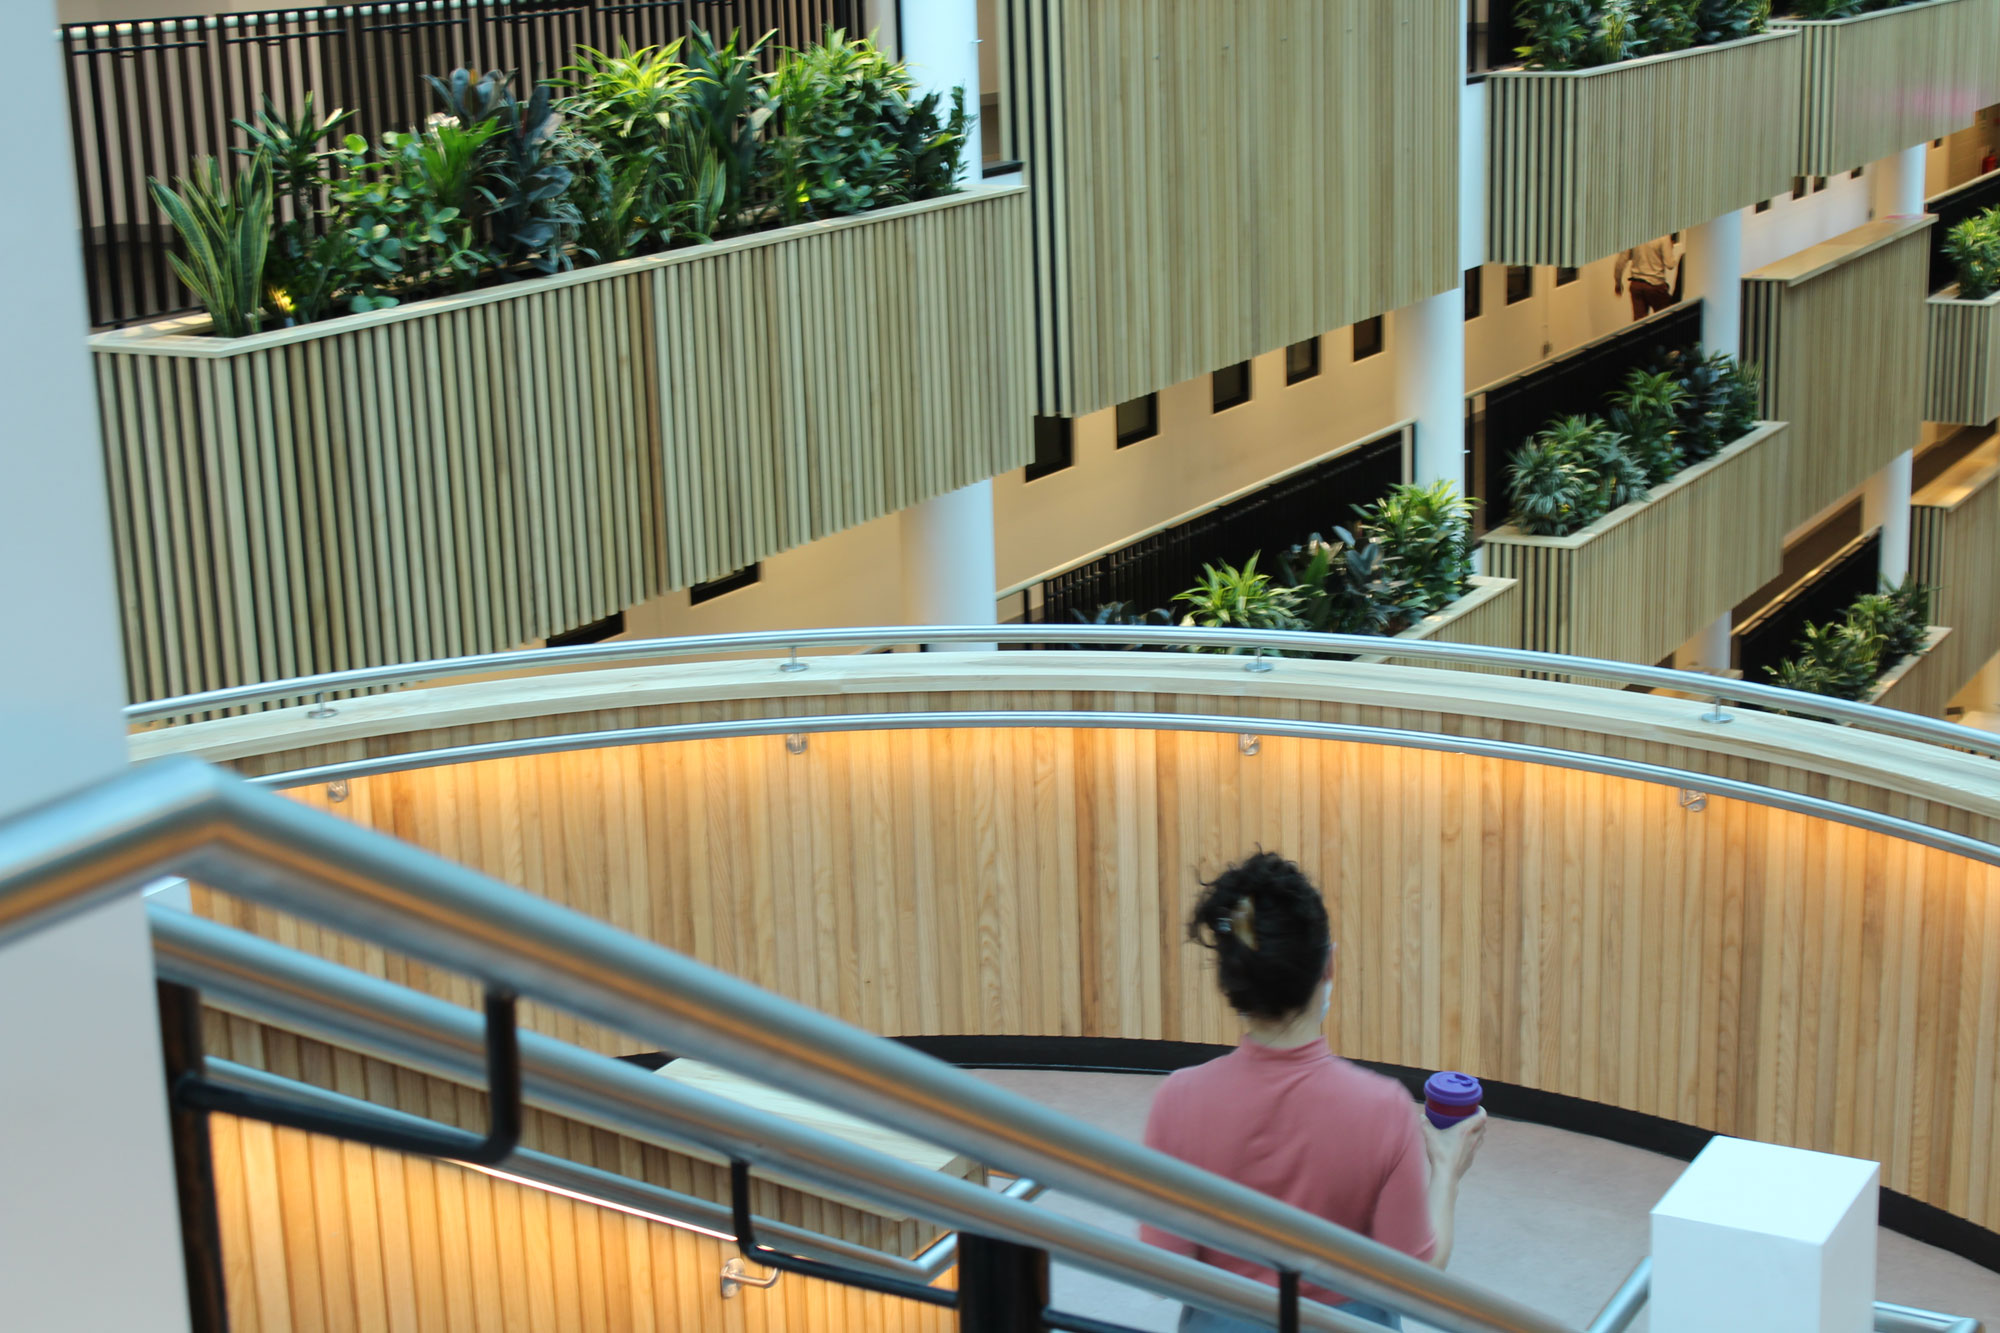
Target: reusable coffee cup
1450,1097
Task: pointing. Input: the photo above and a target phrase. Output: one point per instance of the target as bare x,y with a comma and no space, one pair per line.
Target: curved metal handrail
1269,642
833,723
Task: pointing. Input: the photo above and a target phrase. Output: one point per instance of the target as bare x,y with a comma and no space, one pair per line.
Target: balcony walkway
1553,1218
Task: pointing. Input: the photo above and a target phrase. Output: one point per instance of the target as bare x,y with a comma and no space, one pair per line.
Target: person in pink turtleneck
1282,1114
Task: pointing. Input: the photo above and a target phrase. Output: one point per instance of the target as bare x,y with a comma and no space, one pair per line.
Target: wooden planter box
1839,332
1920,683
1645,578
1220,179
1964,377
473,473
1955,549
1567,187
1877,83
1489,614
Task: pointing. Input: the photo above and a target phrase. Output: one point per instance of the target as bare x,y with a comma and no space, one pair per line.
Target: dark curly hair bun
1268,927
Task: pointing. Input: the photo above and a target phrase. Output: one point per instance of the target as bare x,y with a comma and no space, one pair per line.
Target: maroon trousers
1648,297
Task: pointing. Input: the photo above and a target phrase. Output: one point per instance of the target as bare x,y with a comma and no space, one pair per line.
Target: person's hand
1618,286
1451,1150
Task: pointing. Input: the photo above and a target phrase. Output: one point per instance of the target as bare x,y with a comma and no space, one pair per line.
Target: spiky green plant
1554,483
1232,598
224,228
1646,411
1973,246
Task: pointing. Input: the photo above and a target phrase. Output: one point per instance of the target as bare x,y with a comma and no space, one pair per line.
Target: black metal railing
1951,208
1772,635
1501,417
1147,573
148,98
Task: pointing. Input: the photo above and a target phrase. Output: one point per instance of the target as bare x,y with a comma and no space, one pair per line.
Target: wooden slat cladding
1955,549
1645,578
1745,969
469,474
1964,384
1570,182
1839,333
1488,615
1216,179
1879,83
1921,683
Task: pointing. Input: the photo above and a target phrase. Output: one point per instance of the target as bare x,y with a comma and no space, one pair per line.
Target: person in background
1652,265
1282,1114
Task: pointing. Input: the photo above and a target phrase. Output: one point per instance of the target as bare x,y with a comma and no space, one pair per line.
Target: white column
1754,1238
1898,188
1715,277
1708,651
1885,502
1428,338
89,1225
941,46
1429,342
949,569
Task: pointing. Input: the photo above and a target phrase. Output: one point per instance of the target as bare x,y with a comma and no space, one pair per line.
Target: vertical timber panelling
1488,615
1568,189
469,474
1921,683
1568,931
1955,549
1879,83
1964,379
1642,580
1214,181
1839,333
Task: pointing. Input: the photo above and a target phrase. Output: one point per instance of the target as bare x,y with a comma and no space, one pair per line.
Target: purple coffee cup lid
1451,1088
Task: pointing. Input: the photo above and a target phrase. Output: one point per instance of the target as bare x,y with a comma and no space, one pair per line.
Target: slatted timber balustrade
1739,968
1488,614
1645,578
1920,683
1839,332
1878,83
1215,179
468,474
1720,125
1955,550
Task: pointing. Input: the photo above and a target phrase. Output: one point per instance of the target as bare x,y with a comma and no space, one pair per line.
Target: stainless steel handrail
835,723
1625,1303
180,816
1885,720
1634,1293
420,1032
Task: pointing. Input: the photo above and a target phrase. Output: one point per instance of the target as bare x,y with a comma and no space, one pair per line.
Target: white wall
89,1232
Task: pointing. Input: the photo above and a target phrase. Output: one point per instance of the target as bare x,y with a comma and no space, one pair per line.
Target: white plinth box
1755,1238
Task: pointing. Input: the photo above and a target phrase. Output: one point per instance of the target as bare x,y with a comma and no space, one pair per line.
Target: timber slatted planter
1877,83
1964,378
1920,683
1955,550
1568,186
1838,333
1645,578
1488,614
472,473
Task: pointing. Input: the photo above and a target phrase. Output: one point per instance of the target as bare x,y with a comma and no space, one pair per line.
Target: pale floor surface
1553,1219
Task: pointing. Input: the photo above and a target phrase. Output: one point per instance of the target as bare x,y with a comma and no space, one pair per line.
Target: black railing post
194,1164
1002,1287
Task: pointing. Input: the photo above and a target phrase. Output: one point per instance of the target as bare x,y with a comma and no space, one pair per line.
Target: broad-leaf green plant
729,111
224,227
1973,246
1425,533
1646,411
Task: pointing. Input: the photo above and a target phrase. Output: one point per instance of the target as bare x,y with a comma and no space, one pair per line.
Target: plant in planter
1347,586
224,228
1584,34
1122,613
1425,533
1571,475
1845,658
1720,406
1973,246
1231,598
1646,412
